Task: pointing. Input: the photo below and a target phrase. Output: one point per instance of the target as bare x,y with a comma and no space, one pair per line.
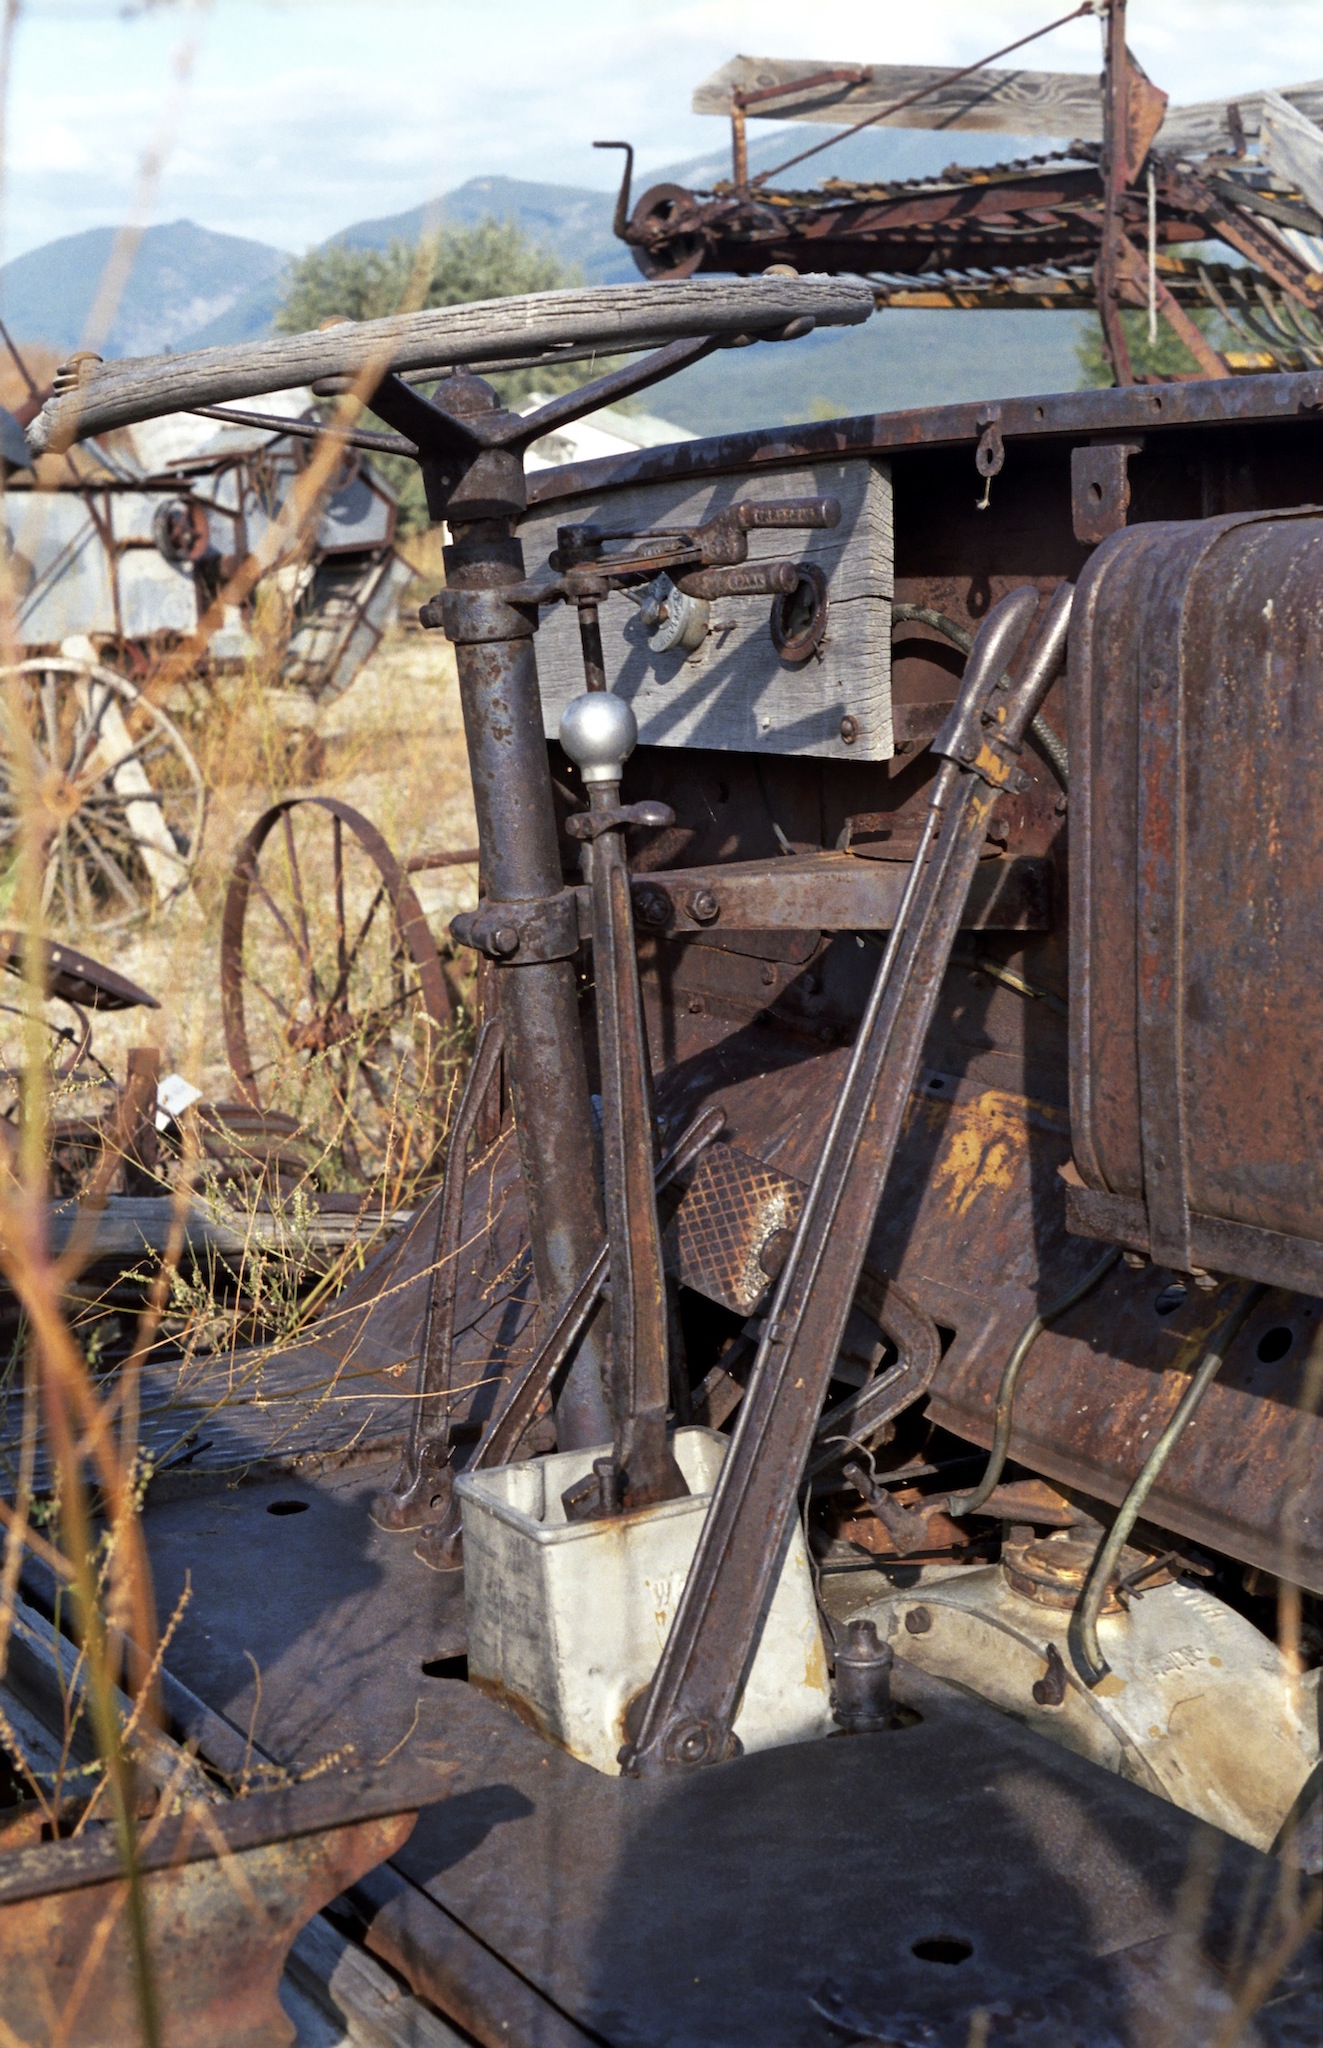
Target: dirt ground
392,746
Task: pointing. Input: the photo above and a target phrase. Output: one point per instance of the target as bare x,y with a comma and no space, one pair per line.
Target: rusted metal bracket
990,455
518,934
1100,488
824,892
693,1697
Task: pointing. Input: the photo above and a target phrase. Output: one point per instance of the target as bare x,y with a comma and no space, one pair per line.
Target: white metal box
567,1620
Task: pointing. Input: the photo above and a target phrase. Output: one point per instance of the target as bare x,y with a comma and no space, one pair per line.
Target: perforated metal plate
731,1208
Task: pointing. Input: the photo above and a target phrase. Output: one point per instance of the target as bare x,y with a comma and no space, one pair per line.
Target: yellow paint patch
985,1143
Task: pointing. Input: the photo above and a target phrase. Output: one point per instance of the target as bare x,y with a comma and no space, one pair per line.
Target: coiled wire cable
1052,745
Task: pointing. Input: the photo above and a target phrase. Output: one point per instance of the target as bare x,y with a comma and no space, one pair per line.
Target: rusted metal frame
1202,200
1240,401
692,1699
830,891
1132,283
1120,164
425,1478
1056,214
534,1381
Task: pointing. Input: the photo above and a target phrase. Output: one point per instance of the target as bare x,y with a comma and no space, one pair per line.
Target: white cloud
301,118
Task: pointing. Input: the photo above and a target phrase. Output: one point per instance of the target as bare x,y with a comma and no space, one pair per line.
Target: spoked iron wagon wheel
334,1002
115,778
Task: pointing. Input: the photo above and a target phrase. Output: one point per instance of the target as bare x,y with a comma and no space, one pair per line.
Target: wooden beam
1064,104
1059,103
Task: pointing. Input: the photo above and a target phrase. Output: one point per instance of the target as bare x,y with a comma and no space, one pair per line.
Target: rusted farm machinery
123,560
1151,207
875,1288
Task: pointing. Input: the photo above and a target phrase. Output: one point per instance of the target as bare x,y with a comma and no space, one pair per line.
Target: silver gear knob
599,732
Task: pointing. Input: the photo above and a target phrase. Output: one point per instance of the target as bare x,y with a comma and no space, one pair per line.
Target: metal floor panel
786,1899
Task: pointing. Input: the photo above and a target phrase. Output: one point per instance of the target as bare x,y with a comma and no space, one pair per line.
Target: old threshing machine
875,1289
130,556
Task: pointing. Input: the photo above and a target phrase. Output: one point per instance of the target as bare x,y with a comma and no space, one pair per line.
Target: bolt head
599,732
504,941
704,906
651,906
849,730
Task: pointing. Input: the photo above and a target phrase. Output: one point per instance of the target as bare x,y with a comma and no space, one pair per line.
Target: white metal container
568,1619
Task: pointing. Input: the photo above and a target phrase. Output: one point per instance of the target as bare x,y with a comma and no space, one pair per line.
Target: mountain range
191,287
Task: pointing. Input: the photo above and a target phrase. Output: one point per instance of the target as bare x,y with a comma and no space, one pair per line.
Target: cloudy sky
285,119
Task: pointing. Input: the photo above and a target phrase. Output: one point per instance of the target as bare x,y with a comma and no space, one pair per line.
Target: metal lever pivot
694,1693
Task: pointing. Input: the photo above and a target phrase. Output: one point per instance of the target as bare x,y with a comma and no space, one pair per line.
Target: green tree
449,267
1167,357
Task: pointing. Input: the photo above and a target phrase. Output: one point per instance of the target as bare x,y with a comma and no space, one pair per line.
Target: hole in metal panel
942,1948
287,1507
1274,1344
446,1667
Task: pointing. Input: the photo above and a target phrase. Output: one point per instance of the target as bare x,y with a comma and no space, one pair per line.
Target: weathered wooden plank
611,316
1065,104
1204,126
735,691
1292,146
1060,103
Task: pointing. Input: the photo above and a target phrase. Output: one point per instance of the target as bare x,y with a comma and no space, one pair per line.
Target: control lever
694,1693
598,732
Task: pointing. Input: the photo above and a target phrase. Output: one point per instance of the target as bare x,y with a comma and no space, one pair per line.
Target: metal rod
640,1377
958,1504
1084,1623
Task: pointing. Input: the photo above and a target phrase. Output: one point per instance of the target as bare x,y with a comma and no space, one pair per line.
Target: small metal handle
788,512
750,579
